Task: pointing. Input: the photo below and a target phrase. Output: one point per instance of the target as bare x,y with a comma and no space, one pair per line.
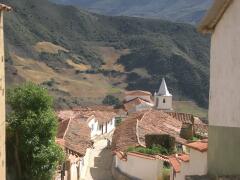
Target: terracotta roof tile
183,157
76,136
102,116
183,117
62,127
132,131
201,146
175,164
125,134
135,102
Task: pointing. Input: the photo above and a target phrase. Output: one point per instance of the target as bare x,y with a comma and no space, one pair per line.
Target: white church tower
163,99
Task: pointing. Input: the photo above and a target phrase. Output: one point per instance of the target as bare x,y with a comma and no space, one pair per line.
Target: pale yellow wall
2,104
224,107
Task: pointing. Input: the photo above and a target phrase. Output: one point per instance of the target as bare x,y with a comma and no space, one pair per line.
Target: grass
191,108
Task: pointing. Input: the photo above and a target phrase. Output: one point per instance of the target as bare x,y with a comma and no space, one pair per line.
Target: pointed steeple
163,90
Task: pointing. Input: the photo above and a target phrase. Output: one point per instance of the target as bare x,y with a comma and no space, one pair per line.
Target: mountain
82,57
189,11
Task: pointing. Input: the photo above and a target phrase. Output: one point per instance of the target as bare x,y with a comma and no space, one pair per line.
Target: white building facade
100,128
162,98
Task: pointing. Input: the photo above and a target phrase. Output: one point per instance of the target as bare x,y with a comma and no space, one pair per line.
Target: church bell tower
162,98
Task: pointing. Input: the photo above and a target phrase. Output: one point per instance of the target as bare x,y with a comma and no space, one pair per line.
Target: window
164,101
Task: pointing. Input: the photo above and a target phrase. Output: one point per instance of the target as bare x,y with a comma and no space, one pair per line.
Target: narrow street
100,162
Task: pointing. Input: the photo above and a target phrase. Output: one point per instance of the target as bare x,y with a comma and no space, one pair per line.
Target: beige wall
2,104
144,169
224,107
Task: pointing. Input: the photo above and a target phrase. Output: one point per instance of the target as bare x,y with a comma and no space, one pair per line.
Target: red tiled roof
75,137
175,164
158,122
200,128
62,127
132,131
183,157
134,102
125,135
102,116
138,93
4,7
201,146
177,159
183,117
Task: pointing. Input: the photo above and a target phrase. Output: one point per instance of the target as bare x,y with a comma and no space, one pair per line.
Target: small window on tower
164,101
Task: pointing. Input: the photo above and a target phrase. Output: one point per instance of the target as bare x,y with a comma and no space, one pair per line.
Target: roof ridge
69,121
137,124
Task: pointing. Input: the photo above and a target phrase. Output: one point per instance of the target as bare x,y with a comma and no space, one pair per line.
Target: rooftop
163,90
74,134
201,146
132,131
102,116
176,161
137,101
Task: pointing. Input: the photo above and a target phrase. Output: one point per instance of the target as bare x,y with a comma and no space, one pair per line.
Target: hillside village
144,134
143,137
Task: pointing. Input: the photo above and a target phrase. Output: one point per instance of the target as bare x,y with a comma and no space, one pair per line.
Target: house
222,20
2,96
137,104
131,133
144,95
194,163
99,121
74,137
162,98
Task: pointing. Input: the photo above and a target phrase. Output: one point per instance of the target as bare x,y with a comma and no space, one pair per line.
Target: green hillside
81,57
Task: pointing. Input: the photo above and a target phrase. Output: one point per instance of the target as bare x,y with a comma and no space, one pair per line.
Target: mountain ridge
188,11
82,57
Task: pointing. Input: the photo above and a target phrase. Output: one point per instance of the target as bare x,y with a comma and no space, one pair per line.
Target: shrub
111,100
162,140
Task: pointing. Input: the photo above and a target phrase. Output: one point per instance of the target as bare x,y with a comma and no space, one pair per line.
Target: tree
111,100
31,133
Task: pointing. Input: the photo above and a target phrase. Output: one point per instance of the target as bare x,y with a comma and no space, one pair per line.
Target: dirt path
100,162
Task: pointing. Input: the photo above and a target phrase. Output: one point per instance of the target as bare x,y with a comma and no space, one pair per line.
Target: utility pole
3,8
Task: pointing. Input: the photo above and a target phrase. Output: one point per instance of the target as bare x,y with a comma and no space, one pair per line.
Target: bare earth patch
48,47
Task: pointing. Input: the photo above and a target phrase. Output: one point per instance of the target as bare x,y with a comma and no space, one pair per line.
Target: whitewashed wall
84,163
196,166
224,70
144,169
159,102
94,125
